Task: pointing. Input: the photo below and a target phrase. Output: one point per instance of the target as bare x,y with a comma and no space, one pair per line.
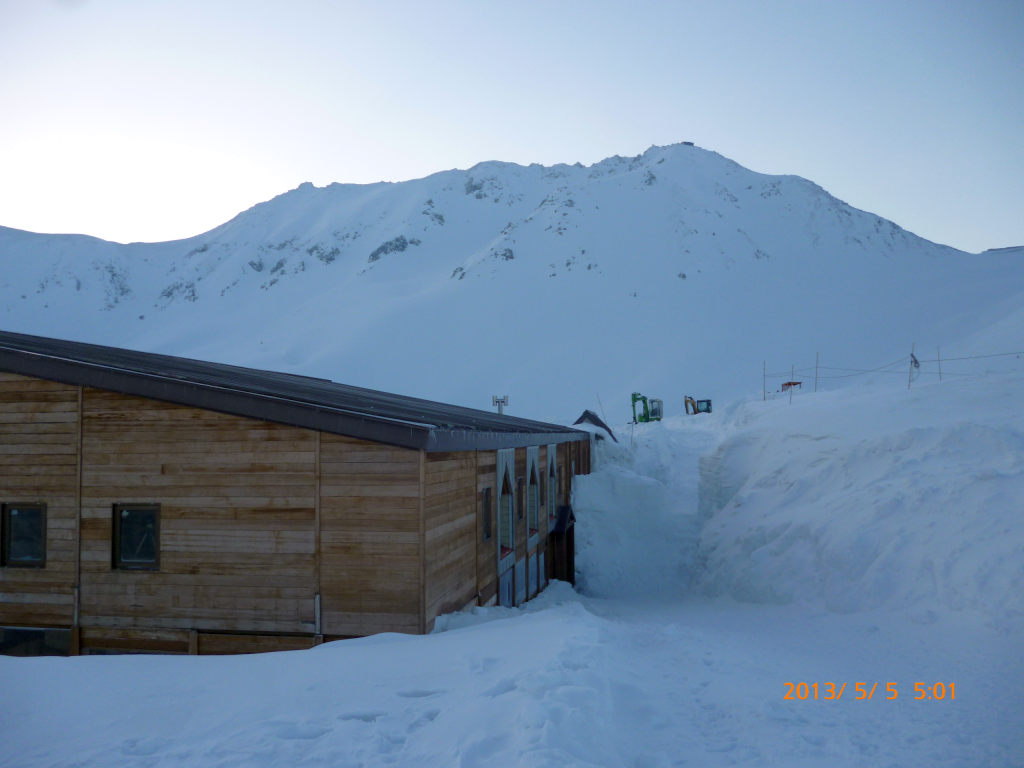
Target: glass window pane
138,536
26,531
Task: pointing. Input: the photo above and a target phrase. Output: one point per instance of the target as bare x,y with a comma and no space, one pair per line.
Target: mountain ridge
641,257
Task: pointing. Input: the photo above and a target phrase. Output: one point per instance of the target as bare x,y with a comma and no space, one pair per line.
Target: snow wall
867,498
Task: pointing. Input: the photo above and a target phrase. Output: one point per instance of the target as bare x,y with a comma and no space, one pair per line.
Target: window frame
506,548
115,540
551,496
506,498
485,509
5,535
533,504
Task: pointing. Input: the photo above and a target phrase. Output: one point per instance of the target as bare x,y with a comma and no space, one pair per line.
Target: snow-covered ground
871,535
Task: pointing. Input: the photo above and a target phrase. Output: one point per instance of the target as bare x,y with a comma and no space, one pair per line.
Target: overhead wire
973,357
881,369
858,372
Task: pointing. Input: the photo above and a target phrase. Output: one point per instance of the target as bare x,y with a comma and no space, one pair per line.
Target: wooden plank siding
256,520
39,464
542,512
237,513
450,523
369,537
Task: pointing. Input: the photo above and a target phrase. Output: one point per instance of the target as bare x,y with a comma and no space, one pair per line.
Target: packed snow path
871,536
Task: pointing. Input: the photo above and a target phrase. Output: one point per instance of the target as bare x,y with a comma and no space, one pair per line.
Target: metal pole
910,372
938,354
764,380
815,371
792,373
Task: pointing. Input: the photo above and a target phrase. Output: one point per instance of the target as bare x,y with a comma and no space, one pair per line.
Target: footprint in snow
296,731
481,753
366,717
484,665
423,720
501,688
144,747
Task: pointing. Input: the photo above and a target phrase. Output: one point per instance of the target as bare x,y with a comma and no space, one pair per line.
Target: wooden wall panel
239,527
450,512
39,464
237,508
369,537
214,644
542,468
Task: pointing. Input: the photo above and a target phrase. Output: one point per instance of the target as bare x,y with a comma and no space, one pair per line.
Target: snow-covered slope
674,272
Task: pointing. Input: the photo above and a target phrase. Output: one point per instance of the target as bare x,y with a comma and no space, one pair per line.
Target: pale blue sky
150,121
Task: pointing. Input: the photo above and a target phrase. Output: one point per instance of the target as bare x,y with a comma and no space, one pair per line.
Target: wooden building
154,503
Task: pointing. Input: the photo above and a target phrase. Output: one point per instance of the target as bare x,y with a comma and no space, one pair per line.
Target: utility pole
792,373
938,354
764,380
815,371
910,372
501,402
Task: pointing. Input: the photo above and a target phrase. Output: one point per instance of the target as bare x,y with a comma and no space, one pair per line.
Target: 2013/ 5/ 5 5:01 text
832,691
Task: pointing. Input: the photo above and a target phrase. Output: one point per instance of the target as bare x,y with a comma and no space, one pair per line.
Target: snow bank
527,692
557,593
853,500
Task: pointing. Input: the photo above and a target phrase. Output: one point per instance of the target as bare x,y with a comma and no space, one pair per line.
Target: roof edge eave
454,440
212,398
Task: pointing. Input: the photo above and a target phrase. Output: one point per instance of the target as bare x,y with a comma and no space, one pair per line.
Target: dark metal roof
285,398
589,417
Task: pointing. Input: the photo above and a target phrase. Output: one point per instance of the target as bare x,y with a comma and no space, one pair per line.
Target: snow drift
872,497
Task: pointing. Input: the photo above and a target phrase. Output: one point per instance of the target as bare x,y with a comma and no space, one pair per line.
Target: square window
137,537
24,535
